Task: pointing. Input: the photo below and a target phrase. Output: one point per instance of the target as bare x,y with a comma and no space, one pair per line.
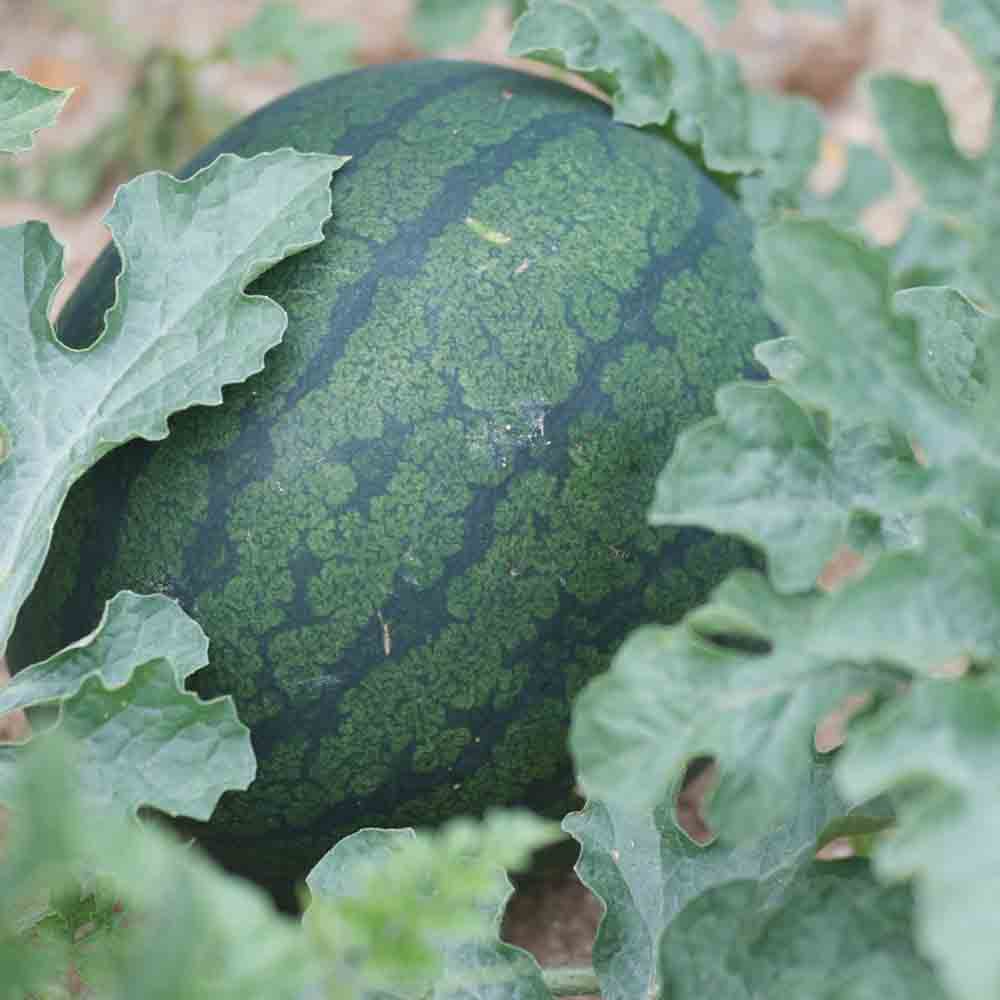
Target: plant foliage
873,445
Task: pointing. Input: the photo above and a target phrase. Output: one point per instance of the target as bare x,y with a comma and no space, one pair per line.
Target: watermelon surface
421,529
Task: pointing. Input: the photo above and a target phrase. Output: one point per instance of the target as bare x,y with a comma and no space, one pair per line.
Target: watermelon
417,534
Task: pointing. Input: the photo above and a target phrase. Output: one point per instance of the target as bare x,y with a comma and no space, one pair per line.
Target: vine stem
571,981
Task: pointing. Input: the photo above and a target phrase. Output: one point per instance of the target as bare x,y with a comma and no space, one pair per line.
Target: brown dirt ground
555,918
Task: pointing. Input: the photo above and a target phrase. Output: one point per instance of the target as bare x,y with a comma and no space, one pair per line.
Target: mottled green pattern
417,534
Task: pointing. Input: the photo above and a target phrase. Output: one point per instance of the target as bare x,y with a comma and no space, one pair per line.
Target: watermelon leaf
960,191
190,930
748,676
867,177
25,107
978,23
180,329
278,31
725,10
443,896
148,742
646,870
864,360
932,750
657,72
763,469
132,631
144,740
831,931
442,24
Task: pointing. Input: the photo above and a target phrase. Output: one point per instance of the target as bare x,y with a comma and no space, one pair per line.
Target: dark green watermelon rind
417,489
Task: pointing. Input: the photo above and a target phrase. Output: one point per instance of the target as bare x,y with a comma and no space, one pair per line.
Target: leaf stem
571,981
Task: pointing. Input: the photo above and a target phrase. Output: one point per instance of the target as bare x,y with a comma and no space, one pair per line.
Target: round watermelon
421,529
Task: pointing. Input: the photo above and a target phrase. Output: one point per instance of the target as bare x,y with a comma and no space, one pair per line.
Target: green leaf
762,470
954,238
747,677
932,251
725,10
646,870
978,23
832,933
180,329
863,359
867,178
936,751
657,72
916,125
147,742
420,914
952,332
445,24
25,107
193,931
133,630
835,8
673,694
278,31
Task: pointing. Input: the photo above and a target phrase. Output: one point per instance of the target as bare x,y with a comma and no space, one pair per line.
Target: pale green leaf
978,23
420,914
752,703
444,24
955,235
25,107
762,470
863,359
832,934
834,8
916,125
132,631
657,72
279,32
951,331
145,741
937,751
747,677
867,178
725,10
193,931
180,329
932,251
646,870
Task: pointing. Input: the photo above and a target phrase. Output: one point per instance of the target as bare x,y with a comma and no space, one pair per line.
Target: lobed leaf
25,107
278,31
192,931
863,360
146,742
725,10
936,752
657,72
133,630
833,932
646,870
867,178
953,237
763,470
421,913
747,677
916,126
978,23
181,328
443,24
